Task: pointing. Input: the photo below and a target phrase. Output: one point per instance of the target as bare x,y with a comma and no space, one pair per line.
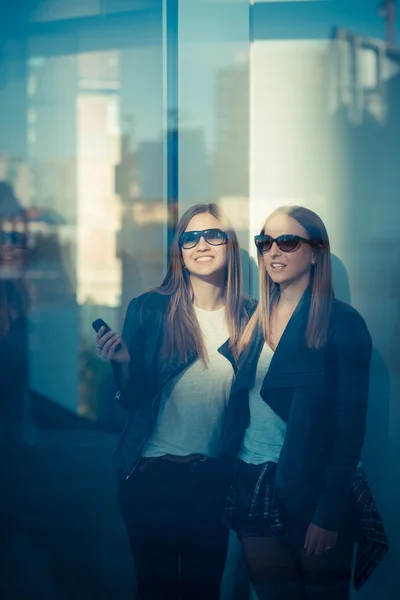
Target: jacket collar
293,363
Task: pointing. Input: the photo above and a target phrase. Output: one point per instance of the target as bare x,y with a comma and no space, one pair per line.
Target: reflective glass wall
324,123
115,117
82,153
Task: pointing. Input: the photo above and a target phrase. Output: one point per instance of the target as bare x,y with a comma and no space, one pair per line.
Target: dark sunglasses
214,237
286,243
15,238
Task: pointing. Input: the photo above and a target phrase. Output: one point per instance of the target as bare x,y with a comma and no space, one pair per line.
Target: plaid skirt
252,508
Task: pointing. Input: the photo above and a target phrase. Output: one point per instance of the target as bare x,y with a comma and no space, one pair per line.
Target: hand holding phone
110,346
98,324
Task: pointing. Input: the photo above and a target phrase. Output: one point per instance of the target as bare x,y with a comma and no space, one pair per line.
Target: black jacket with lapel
322,395
143,332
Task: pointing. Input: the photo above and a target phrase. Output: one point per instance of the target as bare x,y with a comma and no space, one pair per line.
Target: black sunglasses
286,243
214,237
15,238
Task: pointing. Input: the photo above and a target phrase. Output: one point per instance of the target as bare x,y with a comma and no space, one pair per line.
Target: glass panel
324,108
95,162
81,173
213,117
97,98
214,111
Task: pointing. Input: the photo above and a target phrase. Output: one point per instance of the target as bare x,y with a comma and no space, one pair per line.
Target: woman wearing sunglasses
14,309
174,364
15,410
296,422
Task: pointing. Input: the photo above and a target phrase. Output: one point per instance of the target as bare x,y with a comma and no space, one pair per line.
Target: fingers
318,541
107,344
316,545
330,543
310,542
114,346
307,540
110,347
101,337
311,546
320,548
112,340
103,340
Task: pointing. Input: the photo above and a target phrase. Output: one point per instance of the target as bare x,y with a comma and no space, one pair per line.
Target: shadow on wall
250,274
369,159
376,451
340,279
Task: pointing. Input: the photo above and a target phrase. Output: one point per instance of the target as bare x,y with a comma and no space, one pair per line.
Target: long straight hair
14,297
14,303
320,283
183,333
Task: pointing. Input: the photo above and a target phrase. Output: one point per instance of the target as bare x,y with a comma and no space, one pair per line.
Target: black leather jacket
143,332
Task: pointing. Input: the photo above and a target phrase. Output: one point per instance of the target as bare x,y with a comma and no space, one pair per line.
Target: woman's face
12,247
205,260
287,268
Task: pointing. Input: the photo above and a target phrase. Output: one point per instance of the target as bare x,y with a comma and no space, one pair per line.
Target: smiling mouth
277,266
204,259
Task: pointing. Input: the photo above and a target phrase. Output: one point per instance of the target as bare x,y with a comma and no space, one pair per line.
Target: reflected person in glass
14,308
174,365
296,423
15,452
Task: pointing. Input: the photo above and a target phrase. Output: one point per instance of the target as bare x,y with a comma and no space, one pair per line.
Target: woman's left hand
319,541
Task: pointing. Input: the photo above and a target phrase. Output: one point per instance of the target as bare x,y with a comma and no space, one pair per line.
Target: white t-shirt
193,404
264,437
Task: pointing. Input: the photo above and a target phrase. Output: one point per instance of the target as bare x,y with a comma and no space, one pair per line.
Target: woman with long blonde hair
296,423
174,365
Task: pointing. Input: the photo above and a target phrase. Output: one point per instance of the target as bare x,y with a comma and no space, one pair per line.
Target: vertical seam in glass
251,21
164,42
170,120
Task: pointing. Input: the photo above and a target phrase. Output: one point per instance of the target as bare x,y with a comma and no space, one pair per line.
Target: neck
291,294
208,295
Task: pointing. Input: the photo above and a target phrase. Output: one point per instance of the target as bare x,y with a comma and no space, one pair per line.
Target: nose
202,245
275,250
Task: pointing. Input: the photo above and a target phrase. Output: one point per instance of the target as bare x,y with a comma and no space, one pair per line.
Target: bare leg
273,568
328,577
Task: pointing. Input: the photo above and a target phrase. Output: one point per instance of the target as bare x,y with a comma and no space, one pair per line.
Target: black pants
173,515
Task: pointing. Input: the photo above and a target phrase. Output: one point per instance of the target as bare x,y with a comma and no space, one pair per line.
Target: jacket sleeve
133,334
351,350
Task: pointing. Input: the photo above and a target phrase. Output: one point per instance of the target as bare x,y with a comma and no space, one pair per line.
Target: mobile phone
100,323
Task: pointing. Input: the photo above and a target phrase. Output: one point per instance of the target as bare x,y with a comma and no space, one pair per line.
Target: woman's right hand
107,344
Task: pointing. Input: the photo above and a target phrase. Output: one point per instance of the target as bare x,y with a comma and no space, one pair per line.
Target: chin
206,270
277,277
280,279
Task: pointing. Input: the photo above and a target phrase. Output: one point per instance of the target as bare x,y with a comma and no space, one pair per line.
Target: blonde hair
320,284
